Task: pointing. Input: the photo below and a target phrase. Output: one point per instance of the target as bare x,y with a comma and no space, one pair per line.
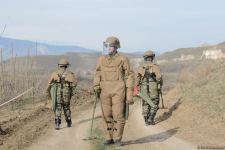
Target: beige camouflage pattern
68,91
152,93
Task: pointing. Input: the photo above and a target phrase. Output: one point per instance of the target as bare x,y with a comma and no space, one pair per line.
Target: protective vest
111,69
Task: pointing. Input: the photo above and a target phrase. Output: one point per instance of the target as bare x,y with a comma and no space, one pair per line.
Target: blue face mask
108,49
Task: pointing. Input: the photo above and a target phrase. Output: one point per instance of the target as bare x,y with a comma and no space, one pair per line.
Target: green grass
97,144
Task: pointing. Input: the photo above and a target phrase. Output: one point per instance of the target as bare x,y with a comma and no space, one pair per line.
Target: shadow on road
168,114
153,138
89,119
2,132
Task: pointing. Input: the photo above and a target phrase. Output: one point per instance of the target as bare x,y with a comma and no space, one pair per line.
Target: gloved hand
48,96
159,87
97,90
130,102
47,104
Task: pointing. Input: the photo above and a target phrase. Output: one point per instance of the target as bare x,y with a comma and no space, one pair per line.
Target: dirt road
67,138
137,136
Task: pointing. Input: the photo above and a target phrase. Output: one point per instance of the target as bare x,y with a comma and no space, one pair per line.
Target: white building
184,58
213,54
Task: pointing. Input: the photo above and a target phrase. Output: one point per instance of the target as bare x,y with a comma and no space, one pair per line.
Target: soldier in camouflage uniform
65,88
113,81
149,83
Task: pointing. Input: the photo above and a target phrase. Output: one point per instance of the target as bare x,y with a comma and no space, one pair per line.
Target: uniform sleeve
140,75
73,84
158,74
48,88
97,75
129,80
129,74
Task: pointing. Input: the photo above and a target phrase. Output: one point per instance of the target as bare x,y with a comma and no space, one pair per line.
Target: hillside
20,47
80,62
203,86
196,52
201,112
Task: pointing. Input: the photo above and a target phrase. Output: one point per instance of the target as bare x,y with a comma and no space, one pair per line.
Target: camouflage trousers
66,110
63,104
153,96
147,109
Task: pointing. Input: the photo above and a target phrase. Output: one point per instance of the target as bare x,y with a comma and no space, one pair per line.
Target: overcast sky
160,25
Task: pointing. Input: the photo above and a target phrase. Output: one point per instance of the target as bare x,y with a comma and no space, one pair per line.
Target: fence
18,78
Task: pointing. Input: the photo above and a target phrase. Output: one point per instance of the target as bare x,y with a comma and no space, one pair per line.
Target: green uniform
65,89
149,79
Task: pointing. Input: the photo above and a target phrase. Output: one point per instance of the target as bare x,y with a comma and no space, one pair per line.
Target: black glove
97,91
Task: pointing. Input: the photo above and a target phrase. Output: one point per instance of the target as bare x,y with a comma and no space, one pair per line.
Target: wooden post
36,49
1,61
27,68
1,76
12,68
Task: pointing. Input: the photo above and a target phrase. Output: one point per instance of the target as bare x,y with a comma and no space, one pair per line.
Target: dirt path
67,138
137,136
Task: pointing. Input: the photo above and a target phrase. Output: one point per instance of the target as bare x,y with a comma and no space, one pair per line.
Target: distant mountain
80,62
21,47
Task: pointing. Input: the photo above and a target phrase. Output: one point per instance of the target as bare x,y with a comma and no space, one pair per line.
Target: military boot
69,123
118,143
108,142
146,120
151,119
57,124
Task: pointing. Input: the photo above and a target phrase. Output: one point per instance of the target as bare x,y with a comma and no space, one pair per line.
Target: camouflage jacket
70,81
153,69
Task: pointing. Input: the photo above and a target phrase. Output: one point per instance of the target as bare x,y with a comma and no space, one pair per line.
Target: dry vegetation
17,77
196,104
201,82
205,86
